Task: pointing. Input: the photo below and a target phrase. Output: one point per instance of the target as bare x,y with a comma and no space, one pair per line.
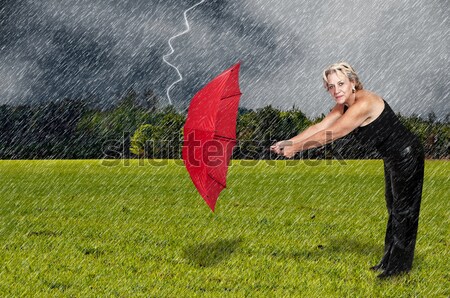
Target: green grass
83,229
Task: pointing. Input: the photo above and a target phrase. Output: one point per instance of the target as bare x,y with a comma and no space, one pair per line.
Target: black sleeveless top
386,134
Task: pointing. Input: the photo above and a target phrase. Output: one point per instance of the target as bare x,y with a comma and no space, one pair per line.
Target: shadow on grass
356,246
366,249
338,246
211,253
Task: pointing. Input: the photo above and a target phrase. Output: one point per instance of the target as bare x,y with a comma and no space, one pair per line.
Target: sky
51,50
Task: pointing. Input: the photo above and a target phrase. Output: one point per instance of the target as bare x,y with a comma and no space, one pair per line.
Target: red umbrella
210,134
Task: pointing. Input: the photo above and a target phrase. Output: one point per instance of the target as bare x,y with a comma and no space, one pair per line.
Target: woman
376,126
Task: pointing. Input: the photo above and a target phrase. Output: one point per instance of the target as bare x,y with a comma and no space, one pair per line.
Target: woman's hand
284,148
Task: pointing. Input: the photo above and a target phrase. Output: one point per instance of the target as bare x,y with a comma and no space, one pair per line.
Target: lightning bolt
188,28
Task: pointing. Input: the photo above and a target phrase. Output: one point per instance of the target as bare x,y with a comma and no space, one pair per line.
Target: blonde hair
345,69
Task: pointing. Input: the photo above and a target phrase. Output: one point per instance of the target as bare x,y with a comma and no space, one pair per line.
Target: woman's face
339,87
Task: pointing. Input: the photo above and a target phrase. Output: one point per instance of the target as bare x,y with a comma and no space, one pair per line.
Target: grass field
284,229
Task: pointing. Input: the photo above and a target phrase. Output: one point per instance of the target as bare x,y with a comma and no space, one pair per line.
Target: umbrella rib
210,176
238,94
225,138
196,129
215,135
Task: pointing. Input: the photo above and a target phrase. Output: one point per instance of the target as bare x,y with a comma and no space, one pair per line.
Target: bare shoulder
371,102
368,97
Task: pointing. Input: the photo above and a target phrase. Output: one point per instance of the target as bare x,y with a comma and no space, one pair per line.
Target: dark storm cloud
101,48
76,49
223,33
56,49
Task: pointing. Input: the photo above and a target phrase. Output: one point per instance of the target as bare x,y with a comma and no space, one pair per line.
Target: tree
140,138
162,139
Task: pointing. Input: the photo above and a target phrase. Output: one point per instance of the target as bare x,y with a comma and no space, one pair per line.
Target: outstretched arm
352,119
326,122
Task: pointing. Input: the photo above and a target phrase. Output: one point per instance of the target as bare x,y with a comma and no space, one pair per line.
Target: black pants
403,191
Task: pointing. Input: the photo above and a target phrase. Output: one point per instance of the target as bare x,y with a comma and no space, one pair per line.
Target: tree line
138,127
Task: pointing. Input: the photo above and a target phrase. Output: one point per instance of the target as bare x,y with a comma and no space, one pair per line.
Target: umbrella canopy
210,134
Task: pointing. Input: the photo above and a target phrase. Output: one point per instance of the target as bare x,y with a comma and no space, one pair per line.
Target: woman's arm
352,119
326,122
